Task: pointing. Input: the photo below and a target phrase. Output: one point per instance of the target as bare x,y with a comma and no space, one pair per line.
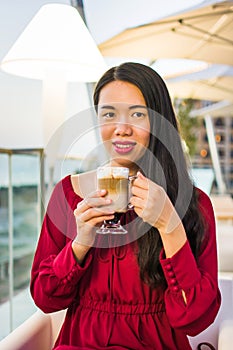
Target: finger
90,202
100,220
139,192
137,202
97,194
96,202
138,211
141,181
91,213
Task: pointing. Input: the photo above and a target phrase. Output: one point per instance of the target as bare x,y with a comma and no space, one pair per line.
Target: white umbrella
214,83
204,33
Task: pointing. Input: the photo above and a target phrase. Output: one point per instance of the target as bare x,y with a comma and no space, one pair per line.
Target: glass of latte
116,181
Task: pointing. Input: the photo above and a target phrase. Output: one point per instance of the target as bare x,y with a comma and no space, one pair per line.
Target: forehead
121,92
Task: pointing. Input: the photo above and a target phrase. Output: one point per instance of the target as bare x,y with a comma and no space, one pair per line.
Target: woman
159,286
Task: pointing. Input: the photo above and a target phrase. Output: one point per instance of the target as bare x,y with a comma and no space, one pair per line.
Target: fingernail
108,201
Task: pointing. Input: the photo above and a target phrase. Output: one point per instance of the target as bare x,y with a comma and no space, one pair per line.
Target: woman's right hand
91,212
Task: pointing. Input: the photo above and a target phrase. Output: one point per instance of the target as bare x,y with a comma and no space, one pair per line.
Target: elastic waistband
116,307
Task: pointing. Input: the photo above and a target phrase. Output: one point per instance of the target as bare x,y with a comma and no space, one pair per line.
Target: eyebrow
130,107
107,107
138,106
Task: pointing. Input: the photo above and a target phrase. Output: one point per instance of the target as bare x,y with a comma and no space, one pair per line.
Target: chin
128,160
124,162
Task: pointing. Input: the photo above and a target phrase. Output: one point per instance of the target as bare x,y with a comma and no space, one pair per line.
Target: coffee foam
113,172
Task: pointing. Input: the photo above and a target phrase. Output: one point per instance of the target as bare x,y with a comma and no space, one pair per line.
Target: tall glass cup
116,181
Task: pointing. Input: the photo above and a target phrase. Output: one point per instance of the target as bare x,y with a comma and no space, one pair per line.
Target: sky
21,98
106,18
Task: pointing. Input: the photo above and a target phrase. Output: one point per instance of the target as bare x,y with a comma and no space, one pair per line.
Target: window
20,221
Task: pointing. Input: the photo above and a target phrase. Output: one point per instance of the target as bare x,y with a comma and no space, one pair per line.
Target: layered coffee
115,181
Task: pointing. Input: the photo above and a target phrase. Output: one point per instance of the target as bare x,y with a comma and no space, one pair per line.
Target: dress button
171,274
168,267
175,289
173,280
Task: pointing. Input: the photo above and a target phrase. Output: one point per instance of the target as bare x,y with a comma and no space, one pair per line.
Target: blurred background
189,43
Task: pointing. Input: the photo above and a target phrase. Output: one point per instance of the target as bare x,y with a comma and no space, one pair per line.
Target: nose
123,129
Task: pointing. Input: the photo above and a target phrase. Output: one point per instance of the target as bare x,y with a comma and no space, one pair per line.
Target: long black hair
164,163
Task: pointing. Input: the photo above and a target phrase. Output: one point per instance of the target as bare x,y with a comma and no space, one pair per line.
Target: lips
123,147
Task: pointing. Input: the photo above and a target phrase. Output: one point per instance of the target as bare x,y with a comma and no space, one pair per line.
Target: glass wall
21,182
25,176
24,179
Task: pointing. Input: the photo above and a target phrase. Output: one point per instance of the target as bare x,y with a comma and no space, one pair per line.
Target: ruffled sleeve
55,272
197,279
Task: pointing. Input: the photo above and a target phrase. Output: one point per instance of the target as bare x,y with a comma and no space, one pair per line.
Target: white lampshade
56,40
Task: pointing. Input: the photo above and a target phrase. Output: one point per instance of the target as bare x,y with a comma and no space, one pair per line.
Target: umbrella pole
214,154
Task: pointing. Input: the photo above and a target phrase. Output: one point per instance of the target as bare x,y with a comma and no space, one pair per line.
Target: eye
107,115
138,115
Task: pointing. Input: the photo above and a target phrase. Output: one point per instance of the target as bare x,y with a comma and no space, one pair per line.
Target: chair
223,207
40,331
220,333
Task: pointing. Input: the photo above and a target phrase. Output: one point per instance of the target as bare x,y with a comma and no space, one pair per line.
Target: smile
123,147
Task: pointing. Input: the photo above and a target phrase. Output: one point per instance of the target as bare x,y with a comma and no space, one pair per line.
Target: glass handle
131,179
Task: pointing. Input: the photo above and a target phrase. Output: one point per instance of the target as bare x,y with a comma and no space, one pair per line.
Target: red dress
108,306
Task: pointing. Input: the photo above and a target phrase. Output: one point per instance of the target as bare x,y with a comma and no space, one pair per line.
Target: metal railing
8,260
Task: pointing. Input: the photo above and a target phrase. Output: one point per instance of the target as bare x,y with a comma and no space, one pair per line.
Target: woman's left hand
153,205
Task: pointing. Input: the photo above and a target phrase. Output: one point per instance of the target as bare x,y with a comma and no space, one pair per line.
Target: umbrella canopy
214,83
222,108
205,33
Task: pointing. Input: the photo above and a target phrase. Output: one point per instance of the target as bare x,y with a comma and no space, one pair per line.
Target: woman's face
124,123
